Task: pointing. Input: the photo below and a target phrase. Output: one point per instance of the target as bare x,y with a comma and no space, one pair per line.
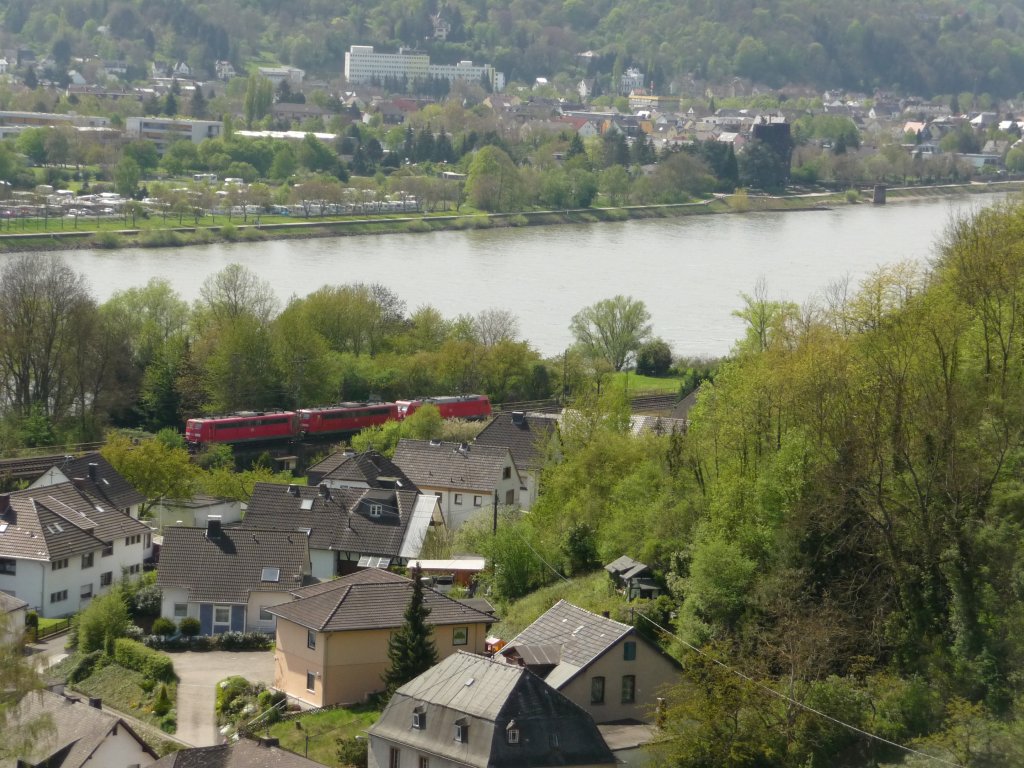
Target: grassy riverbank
160,233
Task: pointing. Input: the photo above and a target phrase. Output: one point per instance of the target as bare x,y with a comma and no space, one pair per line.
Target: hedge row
135,655
228,641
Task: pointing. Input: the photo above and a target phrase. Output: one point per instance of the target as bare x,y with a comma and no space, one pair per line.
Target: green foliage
162,705
612,329
654,358
136,656
411,650
580,549
189,626
164,626
353,751
104,615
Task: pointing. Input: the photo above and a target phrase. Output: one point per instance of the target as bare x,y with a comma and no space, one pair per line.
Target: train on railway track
327,421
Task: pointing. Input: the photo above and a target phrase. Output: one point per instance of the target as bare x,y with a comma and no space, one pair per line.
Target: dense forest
842,522
928,47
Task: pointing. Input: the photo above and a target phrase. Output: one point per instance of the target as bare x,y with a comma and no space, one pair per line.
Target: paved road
199,674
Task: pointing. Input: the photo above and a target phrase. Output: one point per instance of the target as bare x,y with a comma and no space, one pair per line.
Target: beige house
332,640
604,666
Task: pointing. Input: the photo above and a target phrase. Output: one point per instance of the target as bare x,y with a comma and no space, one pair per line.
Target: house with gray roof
531,438
60,546
466,478
244,753
13,612
348,469
633,578
81,733
229,578
348,527
332,638
94,476
470,710
604,666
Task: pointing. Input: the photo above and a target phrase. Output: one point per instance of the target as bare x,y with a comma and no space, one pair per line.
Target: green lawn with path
323,729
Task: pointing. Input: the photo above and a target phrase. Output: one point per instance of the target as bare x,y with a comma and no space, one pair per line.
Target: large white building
363,64
163,131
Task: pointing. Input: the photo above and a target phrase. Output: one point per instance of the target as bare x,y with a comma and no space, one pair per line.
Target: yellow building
332,640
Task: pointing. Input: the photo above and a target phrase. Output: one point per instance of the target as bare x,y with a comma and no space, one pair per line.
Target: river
690,271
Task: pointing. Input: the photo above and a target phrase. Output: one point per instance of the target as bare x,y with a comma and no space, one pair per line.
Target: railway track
640,403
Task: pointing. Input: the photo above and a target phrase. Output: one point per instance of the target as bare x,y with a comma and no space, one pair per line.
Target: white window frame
478,501
106,579
311,639
216,623
180,610
457,499
311,678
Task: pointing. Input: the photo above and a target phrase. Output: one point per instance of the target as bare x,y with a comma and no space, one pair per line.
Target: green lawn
646,384
324,729
594,593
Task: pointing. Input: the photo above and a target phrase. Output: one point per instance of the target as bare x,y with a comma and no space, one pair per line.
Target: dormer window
419,718
512,733
462,731
376,510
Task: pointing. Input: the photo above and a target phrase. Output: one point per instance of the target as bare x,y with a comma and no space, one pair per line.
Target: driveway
199,674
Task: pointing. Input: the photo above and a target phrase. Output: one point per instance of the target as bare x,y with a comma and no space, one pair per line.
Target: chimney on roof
348,453
92,470
606,614
324,491
518,418
213,528
267,741
463,447
95,703
434,442
293,490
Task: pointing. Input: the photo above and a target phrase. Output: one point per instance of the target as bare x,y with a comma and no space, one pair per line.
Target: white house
60,547
467,479
531,438
228,577
96,478
81,734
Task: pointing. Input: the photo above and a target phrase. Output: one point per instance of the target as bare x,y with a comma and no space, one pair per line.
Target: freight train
323,421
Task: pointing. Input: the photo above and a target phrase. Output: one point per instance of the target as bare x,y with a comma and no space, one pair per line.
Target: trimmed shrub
189,626
164,626
134,655
84,666
162,705
243,641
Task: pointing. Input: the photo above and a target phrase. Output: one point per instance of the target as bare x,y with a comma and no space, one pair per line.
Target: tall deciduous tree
612,329
411,650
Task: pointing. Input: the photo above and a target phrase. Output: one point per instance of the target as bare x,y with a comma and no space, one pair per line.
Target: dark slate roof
244,753
370,599
57,521
433,464
626,567
78,729
491,697
369,467
342,522
109,487
583,636
227,568
526,439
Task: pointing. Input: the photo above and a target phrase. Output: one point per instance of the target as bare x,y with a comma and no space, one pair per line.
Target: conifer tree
411,649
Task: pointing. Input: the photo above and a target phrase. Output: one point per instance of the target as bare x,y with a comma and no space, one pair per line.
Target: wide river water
690,271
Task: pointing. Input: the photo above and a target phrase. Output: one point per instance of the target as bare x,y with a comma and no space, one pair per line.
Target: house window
419,718
424,762
460,636
180,610
59,597
86,592
376,509
8,566
133,539
458,498
108,549
311,639
478,501
87,559
462,732
629,651
221,618
56,565
106,579
628,689
147,542
311,681
597,690
512,733
265,614
506,473
133,569
395,758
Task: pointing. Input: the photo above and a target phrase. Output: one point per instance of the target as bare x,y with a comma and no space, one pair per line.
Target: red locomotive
331,420
472,407
344,417
242,427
